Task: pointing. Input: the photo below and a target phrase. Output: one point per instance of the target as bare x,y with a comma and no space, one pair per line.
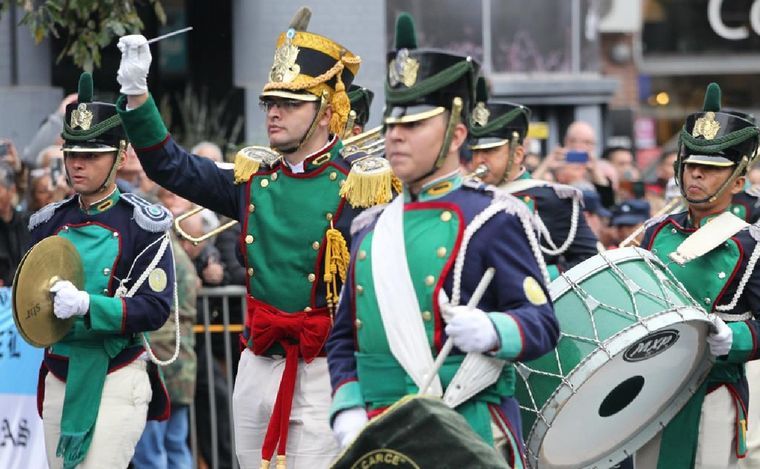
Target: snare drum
631,352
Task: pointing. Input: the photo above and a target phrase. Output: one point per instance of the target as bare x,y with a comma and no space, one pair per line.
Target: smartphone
4,148
573,156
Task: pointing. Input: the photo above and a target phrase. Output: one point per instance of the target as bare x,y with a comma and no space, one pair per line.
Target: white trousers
716,446
752,460
311,443
121,418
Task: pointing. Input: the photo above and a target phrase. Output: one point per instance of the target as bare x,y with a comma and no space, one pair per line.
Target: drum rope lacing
591,304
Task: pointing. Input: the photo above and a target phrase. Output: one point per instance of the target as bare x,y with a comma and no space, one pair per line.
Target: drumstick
173,33
449,344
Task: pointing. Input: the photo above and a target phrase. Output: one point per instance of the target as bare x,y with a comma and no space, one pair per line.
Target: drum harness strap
709,237
397,299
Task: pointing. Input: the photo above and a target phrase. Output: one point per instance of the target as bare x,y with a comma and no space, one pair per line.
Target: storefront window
700,27
446,24
537,36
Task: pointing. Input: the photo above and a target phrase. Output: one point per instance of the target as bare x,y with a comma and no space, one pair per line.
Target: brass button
250,271
333,176
362,255
251,208
312,277
115,234
526,199
427,315
441,251
446,216
105,291
106,271
329,216
358,323
707,301
274,176
249,239
359,289
429,280
307,309
264,182
722,275
315,245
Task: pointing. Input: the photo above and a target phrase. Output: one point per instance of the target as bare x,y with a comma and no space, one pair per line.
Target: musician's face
701,181
412,148
88,170
497,161
288,120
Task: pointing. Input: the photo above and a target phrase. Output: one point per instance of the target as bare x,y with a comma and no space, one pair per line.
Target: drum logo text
651,345
382,458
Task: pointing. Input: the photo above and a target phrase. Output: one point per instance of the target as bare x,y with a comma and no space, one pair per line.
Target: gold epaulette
249,160
370,182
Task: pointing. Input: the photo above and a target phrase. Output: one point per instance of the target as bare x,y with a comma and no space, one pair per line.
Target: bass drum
631,352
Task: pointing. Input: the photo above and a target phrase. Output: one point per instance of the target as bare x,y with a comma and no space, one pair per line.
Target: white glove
470,329
348,423
69,300
135,63
721,338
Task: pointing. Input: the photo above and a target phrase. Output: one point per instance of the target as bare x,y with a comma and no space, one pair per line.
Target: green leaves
87,25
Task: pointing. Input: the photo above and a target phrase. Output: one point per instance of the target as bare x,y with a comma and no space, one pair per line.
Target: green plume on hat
481,90
712,98
85,88
406,38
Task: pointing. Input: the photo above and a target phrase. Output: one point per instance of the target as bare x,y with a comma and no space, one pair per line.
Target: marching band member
436,241
715,149
93,386
361,101
498,129
294,237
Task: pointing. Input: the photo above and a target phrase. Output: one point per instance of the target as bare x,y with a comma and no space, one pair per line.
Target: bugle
198,239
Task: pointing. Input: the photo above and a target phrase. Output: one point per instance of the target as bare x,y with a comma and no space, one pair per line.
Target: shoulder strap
46,213
150,217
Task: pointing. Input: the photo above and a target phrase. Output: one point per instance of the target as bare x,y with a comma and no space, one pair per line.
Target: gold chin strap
120,155
510,158
320,112
454,118
349,129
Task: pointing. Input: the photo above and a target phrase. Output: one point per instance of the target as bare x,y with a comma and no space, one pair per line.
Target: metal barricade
229,329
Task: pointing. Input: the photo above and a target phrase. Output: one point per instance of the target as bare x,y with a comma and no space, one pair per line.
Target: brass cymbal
52,259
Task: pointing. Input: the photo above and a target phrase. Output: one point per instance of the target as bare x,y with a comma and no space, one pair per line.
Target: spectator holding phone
584,172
